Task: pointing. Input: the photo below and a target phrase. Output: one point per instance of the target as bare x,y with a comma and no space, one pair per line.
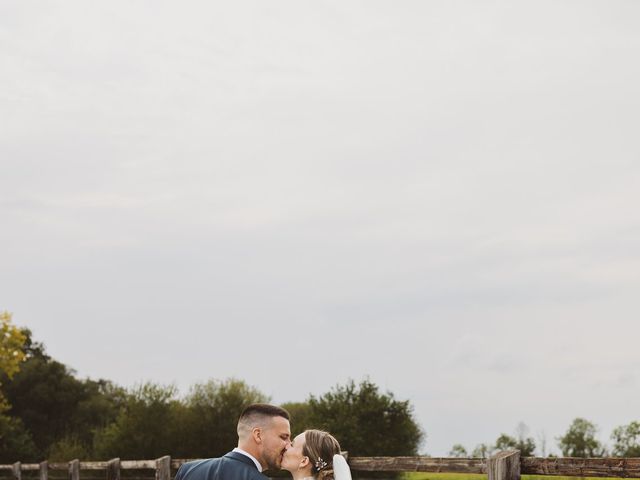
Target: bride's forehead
299,438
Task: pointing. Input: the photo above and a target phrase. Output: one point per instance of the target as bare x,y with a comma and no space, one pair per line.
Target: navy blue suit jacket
233,466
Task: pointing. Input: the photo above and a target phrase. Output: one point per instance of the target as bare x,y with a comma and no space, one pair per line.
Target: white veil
340,468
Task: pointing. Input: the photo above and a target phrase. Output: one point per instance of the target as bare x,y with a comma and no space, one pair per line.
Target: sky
440,196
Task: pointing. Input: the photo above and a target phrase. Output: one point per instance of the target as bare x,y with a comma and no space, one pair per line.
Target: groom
263,436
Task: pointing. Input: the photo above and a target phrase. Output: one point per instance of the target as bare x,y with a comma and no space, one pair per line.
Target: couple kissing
264,443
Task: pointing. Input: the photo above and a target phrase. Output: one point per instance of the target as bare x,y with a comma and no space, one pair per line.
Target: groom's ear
256,433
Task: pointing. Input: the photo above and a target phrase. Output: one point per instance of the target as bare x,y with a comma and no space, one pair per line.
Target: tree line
46,412
578,441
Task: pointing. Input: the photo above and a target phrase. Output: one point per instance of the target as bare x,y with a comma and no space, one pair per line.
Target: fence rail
418,464
503,466
582,467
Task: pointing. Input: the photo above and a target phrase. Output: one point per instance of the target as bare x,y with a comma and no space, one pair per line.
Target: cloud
439,195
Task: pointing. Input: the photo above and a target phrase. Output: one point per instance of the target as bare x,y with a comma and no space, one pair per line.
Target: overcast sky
440,195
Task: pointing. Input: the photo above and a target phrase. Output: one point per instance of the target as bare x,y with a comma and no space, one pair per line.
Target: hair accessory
320,464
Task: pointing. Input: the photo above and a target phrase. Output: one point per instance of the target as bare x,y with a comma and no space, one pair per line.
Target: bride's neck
302,476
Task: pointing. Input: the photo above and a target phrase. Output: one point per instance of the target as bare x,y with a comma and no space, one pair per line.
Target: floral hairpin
320,464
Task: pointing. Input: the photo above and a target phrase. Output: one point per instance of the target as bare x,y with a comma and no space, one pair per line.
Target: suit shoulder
254,474
196,463
225,467
189,469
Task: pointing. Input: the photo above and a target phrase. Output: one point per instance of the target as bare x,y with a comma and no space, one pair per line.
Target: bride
315,455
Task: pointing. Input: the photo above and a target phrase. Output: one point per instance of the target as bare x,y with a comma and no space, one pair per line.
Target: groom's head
264,432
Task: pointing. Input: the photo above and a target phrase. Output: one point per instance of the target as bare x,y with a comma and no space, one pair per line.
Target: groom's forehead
280,424
266,421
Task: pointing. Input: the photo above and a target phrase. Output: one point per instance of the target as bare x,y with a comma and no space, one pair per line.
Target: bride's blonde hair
320,447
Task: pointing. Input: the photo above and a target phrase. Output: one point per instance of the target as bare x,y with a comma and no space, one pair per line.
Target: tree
505,442
67,448
521,442
542,439
153,421
527,447
209,417
524,443
626,440
12,353
11,346
300,413
44,396
580,440
482,450
53,405
15,441
458,451
365,421
144,427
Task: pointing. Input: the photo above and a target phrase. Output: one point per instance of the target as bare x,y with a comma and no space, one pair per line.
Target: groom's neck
252,449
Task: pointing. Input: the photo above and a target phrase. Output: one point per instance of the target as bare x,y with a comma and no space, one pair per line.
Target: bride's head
311,455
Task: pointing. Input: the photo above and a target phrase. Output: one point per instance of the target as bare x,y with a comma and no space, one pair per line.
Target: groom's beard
274,464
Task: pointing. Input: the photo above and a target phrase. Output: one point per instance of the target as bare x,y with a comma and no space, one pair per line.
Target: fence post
17,471
504,466
44,470
113,469
74,470
163,468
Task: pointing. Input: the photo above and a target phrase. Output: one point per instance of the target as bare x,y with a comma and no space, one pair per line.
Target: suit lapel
240,457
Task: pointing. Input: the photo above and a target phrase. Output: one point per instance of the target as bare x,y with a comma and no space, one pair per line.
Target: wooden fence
503,466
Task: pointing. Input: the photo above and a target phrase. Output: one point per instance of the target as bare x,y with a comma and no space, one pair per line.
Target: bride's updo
320,447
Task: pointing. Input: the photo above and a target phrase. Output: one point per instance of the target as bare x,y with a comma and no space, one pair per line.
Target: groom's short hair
256,414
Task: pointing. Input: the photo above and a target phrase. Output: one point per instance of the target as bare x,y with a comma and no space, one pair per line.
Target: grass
478,476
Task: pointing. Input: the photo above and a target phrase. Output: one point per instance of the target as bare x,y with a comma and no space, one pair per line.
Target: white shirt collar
247,454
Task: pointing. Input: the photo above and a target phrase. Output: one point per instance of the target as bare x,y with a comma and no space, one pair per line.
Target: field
474,476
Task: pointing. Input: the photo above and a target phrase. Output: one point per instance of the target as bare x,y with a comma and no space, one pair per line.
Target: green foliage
458,451
44,395
527,447
153,422
478,476
505,442
16,442
71,418
580,440
365,421
300,413
53,404
482,450
100,405
54,415
67,449
210,416
525,444
626,440
144,426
